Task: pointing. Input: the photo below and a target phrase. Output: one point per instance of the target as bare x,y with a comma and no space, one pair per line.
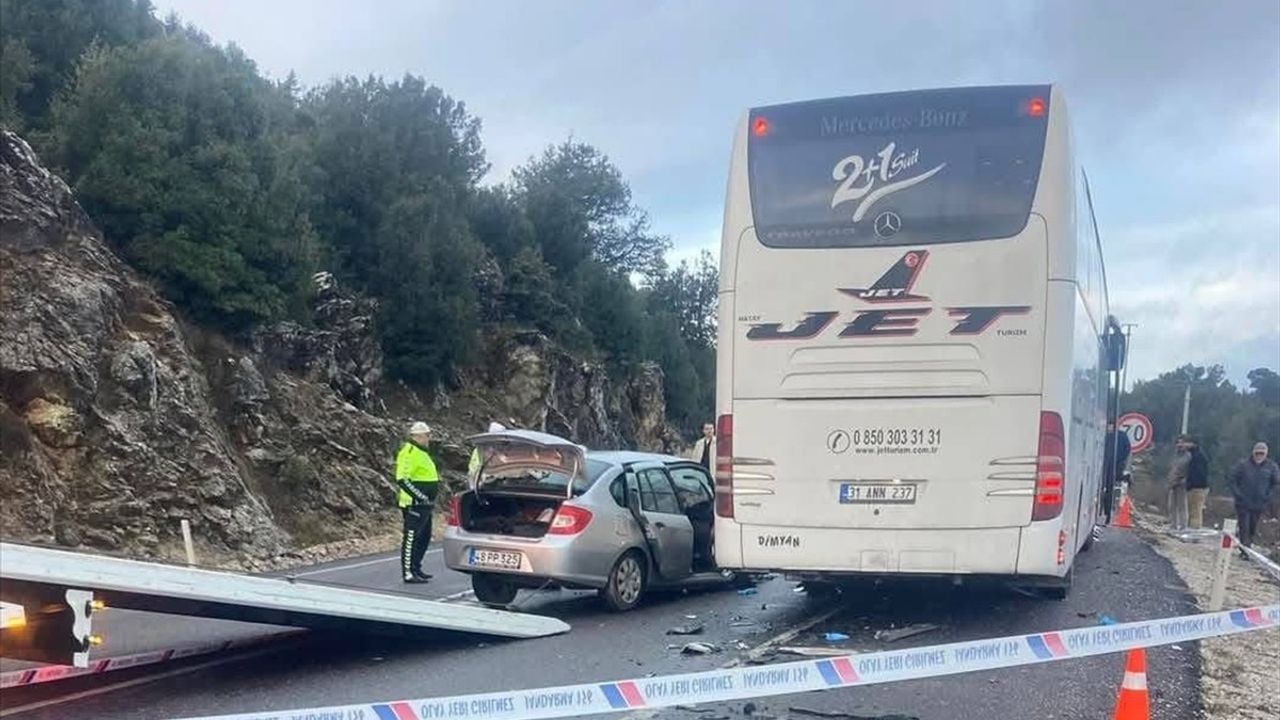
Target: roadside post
1218,594
187,543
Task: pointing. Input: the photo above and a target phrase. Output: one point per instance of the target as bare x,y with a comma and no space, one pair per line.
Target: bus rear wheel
1061,588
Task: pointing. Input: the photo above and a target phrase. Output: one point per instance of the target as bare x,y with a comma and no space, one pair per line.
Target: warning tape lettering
799,676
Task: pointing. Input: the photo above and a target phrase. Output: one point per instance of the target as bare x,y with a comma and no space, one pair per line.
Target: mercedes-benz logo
888,224
838,441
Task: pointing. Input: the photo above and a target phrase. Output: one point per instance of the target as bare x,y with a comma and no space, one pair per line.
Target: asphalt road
1121,577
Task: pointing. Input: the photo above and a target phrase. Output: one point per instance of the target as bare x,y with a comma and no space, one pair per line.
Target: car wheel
493,589
1089,540
626,582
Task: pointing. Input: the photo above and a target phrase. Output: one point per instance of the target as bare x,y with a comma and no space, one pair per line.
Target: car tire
626,582
493,590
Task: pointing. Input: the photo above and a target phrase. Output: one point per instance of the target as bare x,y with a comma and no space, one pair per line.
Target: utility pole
1186,407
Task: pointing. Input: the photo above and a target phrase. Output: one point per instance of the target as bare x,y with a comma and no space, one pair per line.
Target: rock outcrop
107,433
118,419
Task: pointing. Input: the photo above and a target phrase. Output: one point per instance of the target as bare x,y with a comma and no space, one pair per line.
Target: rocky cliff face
117,419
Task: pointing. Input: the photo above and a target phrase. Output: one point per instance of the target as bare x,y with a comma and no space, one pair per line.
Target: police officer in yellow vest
418,482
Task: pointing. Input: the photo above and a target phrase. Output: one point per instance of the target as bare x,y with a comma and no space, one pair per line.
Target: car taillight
724,466
1050,468
569,520
453,515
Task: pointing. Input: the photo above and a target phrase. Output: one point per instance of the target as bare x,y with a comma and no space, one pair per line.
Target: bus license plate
495,559
867,493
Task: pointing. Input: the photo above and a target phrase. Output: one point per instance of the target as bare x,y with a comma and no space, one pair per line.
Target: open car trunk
523,478
518,516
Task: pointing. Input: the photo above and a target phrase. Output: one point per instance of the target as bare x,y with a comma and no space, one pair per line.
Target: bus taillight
760,126
1050,468
724,466
1036,107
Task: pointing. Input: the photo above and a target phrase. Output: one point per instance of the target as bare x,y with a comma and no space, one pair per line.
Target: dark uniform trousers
417,530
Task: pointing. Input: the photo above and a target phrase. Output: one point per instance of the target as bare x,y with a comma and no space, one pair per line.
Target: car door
697,501
670,534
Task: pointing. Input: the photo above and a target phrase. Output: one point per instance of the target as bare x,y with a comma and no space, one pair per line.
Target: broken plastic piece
905,632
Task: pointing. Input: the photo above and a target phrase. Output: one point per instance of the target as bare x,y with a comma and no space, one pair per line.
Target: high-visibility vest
415,465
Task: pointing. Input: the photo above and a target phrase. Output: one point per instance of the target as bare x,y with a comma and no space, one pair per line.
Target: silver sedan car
543,512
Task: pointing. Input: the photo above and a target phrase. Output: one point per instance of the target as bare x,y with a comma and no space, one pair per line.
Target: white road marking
353,566
8,711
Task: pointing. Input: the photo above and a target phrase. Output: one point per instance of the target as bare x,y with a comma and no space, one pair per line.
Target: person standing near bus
1178,468
1253,483
1197,483
704,450
419,483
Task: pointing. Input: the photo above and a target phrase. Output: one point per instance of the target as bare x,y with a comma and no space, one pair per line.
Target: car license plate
874,493
495,559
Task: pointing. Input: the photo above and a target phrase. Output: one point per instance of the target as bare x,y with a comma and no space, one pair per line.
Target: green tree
398,166
46,38
1225,420
17,65
580,207
174,147
1265,384
690,292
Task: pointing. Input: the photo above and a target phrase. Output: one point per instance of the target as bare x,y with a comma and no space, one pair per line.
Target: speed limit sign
1138,428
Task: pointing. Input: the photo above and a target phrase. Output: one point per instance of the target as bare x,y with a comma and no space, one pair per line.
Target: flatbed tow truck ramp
59,590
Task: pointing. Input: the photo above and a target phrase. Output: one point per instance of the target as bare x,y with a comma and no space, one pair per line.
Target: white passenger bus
912,375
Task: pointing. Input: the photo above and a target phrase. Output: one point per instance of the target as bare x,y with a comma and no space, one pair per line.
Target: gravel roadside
1241,673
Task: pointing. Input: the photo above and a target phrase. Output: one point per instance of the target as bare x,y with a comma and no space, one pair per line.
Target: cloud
1196,304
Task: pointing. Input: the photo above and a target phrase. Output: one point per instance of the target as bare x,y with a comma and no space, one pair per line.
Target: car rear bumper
550,558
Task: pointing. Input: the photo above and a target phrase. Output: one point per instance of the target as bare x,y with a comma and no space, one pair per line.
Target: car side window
618,489
656,494
693,487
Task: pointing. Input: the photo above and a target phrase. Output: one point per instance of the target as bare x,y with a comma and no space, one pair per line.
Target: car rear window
541,479
896,169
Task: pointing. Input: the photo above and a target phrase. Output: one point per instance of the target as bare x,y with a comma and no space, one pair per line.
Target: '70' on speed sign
1138,428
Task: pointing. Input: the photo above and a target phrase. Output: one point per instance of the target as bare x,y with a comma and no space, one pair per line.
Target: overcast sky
1176,106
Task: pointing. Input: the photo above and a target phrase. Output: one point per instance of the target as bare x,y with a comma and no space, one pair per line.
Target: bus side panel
737,215
1038,552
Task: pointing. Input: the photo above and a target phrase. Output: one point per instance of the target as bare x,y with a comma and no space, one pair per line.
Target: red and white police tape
49,673
794,677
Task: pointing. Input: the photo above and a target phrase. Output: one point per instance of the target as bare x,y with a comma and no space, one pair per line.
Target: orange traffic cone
1124,518
1132,703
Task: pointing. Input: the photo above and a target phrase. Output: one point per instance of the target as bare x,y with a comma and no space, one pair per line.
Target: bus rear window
899,169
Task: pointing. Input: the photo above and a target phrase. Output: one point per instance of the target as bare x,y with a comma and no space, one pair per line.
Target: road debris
742,623
748,591
832,637
695,709
686,629
814,651
905,632
846,715
699,648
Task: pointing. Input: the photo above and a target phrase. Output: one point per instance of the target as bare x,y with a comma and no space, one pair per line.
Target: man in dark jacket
1115,454
1197,483
1253,483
